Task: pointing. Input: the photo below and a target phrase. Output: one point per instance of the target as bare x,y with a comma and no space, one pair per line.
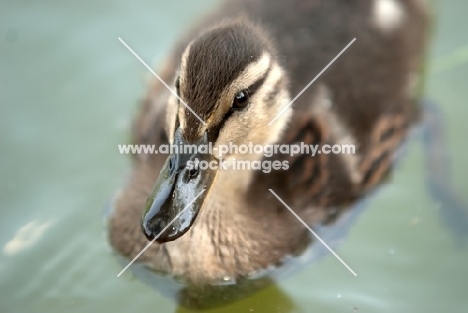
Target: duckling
235,72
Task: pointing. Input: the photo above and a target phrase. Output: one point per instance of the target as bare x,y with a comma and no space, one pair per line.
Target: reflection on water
272,299
67,99
26,236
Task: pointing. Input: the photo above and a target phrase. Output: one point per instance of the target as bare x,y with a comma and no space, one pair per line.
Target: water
68,91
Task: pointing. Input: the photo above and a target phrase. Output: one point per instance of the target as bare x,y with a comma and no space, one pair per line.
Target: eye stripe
255,86
214,132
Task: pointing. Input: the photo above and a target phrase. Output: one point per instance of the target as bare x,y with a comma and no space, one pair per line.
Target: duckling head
233,86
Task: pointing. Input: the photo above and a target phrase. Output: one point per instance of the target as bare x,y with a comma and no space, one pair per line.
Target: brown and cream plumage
269,50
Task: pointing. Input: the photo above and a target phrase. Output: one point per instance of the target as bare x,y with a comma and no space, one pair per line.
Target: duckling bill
179,193
237,70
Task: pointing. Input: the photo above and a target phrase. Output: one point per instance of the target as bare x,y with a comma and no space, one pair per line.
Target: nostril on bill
193,173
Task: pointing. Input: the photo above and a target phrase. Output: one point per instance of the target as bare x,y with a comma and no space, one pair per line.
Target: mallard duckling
236,72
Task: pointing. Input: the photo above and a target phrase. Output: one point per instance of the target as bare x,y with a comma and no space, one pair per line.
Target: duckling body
367,98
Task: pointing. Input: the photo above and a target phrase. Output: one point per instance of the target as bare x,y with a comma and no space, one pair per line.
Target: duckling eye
241,100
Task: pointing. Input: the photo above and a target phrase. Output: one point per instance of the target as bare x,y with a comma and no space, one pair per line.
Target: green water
68,90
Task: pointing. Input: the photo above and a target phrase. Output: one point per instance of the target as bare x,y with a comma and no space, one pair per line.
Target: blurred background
68,92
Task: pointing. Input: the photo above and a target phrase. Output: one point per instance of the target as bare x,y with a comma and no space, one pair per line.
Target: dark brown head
230,78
